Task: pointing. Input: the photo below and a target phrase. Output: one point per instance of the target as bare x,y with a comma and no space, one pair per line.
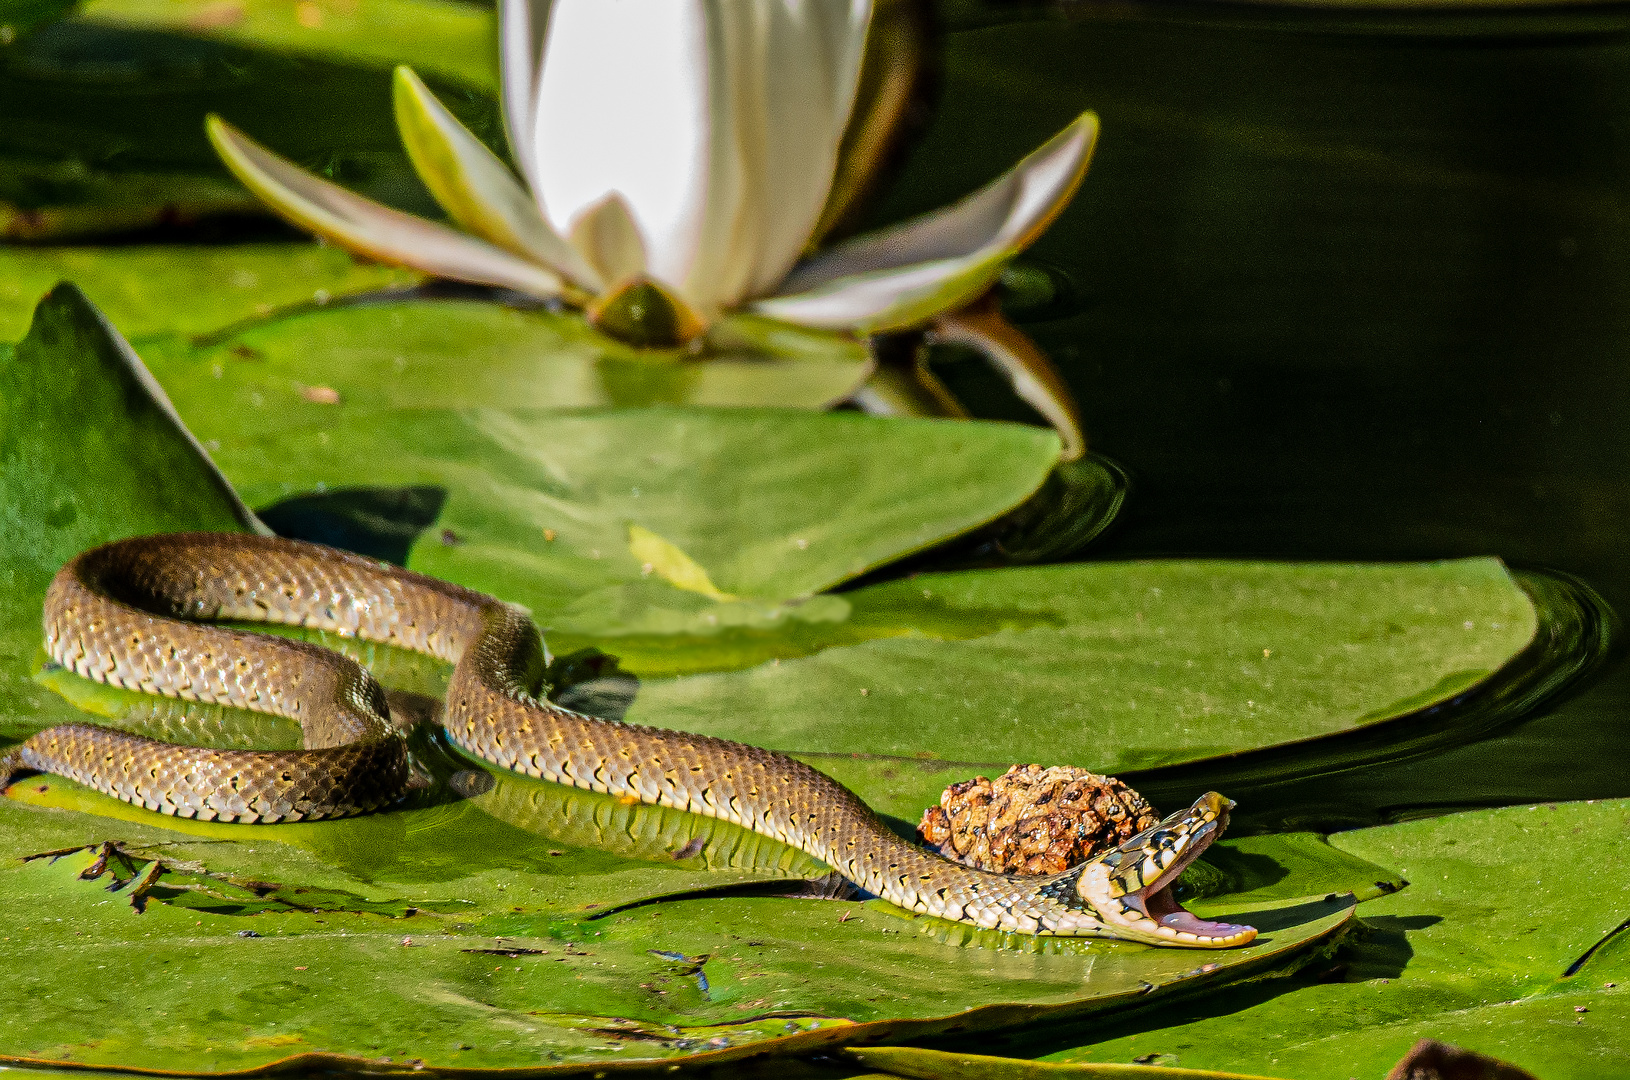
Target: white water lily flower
677,156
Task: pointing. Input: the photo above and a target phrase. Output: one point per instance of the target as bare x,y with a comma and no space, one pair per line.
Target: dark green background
1350,295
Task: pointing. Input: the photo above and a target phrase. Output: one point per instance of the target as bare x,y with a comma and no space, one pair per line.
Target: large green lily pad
149,291
1510,941
1112,666
462,354
651,983
774,504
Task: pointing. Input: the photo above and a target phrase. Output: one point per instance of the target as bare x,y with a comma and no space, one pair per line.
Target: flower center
644,314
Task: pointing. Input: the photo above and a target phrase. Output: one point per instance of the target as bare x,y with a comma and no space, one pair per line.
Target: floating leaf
1490,948
426,354
1112,666
539,502
503,984
186,290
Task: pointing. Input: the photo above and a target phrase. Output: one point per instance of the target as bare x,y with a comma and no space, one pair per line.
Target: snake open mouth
1160,903
1149,864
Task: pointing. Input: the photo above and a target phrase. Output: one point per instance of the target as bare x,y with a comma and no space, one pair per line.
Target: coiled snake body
134,614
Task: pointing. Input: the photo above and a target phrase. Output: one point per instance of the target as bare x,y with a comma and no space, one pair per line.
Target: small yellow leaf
671,564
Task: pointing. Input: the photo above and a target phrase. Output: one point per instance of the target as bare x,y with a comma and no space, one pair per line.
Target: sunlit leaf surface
150,291
1509,941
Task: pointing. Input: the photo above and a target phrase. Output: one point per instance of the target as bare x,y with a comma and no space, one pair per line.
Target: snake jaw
1130,888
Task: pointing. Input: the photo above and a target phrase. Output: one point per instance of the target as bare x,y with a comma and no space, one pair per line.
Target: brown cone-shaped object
1034,820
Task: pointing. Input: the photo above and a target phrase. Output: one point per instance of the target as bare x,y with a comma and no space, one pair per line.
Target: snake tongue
1162,906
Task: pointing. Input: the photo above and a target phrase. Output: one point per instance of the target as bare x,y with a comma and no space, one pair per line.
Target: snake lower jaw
1162,908
1152,913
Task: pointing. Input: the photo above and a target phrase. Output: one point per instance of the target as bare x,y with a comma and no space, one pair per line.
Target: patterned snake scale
134,614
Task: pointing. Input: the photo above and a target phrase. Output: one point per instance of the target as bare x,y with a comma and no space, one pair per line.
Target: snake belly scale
136,614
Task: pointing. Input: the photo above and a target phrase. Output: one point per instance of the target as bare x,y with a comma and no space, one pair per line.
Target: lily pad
184,289
1124,666
423,354
501,983
1510,942
539,503
446,37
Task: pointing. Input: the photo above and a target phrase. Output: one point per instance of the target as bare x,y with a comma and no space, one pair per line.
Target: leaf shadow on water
380,522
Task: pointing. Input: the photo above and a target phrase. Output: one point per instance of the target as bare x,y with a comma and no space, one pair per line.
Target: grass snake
136,614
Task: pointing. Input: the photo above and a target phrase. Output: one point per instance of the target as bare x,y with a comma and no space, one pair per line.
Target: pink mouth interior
1160,904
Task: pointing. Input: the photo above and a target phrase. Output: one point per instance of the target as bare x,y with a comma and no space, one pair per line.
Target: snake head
1130,887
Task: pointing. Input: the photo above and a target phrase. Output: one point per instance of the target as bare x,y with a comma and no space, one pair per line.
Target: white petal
784,78
522,25
622,107
365,227
904,275
1010,351
609,241
476,189
718,121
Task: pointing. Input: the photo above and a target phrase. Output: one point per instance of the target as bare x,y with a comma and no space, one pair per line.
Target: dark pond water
1349,295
